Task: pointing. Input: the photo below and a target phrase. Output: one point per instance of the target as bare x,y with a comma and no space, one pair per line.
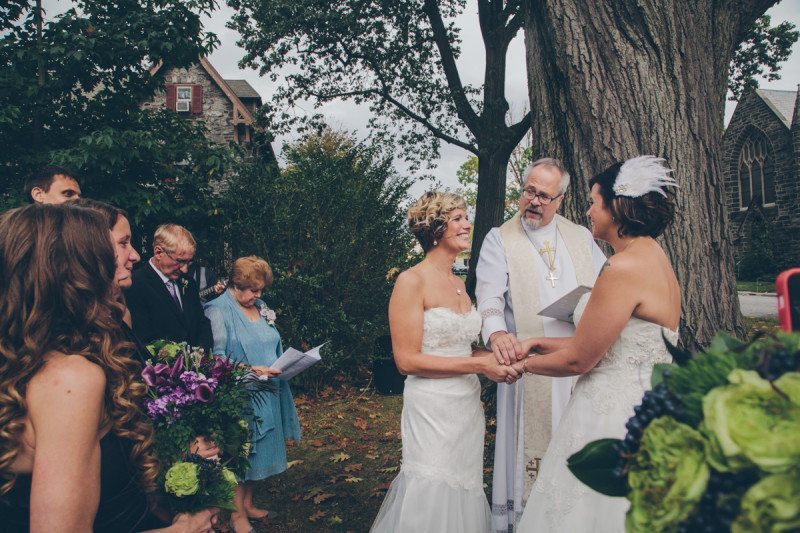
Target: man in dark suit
163,303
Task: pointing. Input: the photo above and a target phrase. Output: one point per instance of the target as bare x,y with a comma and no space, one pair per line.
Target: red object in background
197,99
172,96
788,288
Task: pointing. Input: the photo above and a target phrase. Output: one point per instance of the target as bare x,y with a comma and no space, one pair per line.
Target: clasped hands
510,354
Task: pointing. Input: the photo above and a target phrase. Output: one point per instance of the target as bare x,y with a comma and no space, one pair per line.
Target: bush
332,226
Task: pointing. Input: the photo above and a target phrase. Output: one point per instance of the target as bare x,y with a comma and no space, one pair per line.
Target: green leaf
658,373
679,356
723,342
594,466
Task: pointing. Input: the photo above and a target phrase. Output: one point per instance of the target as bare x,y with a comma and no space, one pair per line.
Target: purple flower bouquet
197,397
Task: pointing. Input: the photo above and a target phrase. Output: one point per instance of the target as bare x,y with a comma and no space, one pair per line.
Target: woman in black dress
75,449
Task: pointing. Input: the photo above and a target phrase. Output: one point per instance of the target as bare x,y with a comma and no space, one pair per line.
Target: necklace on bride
449,279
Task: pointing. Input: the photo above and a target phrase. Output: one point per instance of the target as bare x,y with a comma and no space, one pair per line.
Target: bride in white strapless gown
616,343
440,484
439,488
601,403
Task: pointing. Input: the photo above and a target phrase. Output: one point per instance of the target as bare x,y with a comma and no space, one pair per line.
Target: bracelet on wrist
524,368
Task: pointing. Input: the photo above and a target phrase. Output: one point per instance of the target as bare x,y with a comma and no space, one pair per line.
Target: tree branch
517,131
432,128
513,27
463,107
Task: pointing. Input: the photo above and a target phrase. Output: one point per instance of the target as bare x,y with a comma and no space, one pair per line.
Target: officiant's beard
531,224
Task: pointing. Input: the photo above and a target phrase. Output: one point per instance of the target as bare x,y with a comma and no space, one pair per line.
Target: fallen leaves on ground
317,515
339,457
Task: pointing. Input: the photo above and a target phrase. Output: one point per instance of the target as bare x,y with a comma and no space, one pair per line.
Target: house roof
781,103
243,89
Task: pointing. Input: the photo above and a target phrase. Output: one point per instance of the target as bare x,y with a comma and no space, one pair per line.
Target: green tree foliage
332,226
760,54
467,175
70,91
400,58
758,260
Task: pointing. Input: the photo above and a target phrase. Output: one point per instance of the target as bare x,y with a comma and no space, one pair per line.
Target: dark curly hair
646,215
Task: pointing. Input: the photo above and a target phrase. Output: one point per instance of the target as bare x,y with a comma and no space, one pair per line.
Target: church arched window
756,172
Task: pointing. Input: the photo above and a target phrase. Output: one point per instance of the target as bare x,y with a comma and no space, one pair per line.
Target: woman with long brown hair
75,449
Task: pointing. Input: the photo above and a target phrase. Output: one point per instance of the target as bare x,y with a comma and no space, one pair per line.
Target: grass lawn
342,467
756,286
765,324
340,471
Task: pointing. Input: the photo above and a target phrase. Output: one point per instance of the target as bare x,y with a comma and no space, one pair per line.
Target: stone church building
761,169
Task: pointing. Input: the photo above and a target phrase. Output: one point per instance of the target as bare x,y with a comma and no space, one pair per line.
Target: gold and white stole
524,272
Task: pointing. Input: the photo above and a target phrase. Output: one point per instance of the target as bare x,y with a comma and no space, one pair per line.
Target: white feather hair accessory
641,175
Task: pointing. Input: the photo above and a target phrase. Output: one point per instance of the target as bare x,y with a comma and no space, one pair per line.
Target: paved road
758,305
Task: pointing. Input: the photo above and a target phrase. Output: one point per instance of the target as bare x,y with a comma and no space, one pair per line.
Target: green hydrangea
229,476
182,480
667,476
750,423
772,504
168,351
245,449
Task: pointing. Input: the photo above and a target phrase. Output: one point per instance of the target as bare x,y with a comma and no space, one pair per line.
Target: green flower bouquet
714,446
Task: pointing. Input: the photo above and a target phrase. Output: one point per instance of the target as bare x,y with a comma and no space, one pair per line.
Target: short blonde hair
173,237
250,271
428,217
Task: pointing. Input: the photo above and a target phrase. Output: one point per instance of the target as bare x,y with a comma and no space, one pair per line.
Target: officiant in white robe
525,265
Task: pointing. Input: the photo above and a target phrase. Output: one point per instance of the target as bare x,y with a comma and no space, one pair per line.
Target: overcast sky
348,116
351,117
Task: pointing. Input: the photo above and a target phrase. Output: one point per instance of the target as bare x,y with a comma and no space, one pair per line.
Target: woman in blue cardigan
243,329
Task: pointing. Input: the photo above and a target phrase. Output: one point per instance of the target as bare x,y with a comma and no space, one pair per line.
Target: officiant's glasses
544,199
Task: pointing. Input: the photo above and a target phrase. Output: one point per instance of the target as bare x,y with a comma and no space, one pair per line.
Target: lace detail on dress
446,332
440,483
601,403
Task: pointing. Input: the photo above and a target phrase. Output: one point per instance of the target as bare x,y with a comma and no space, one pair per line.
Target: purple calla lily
177,368
149,376
204,393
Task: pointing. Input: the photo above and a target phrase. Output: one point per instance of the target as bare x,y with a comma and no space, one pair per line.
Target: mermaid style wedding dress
439,487
601,404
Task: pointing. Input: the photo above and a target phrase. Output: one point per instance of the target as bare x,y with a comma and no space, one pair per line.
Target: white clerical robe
511,481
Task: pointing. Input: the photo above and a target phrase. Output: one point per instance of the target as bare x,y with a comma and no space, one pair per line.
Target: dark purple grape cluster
656,403
719,505
778,363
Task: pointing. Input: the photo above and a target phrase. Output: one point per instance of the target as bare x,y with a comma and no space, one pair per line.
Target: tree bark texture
612,80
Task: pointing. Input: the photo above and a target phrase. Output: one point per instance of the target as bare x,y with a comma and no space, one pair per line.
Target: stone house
761,169
200,93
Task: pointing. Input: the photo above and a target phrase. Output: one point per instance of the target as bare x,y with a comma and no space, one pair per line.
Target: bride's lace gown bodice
601,403
440,484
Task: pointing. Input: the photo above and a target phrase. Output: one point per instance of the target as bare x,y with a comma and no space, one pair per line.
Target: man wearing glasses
528,263
163,303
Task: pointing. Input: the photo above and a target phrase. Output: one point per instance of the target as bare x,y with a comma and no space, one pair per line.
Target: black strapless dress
123,506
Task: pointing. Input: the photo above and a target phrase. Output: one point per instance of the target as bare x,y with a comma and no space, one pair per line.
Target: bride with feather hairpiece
617,341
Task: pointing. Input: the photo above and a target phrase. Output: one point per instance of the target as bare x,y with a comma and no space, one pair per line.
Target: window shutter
197,99
172,95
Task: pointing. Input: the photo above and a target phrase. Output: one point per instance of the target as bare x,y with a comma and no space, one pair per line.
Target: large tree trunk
611,80
489,205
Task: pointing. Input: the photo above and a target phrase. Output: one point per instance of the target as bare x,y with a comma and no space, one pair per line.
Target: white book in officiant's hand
564,307
292,362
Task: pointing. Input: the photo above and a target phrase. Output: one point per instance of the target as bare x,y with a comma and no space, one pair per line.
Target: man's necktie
173,291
